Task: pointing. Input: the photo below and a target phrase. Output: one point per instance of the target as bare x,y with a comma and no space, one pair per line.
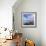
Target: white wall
43,22
29,6
6,13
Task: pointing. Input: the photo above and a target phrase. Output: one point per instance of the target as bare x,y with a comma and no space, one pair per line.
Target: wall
6,16
6,13
29,6
43,22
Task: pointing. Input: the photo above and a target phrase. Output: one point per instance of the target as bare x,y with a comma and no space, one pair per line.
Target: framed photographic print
29,19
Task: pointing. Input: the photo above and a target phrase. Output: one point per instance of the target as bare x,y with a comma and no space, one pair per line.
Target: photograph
28,19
